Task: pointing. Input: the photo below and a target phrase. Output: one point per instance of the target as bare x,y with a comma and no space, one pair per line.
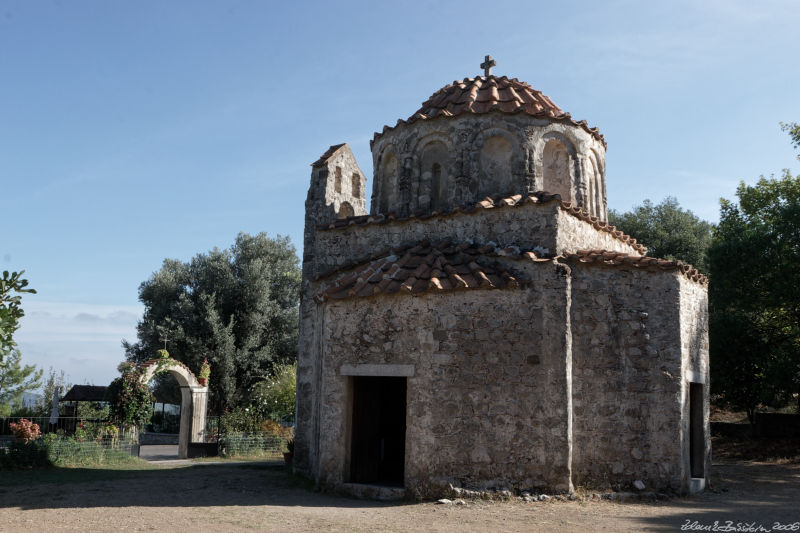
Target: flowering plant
205,369
25,430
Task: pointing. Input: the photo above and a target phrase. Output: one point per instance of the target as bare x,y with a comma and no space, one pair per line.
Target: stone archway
194,398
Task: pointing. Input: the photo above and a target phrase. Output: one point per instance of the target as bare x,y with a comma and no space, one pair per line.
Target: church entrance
379,430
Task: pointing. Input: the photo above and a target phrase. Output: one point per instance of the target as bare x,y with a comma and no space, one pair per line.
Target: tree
668,231
56,383
15,379
754,295
237,307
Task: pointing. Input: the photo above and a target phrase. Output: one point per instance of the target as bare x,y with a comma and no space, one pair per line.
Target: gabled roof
85,393
491,93
610,258
495,202
427,267
328,154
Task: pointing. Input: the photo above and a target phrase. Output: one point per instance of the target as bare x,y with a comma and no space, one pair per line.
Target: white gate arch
194,399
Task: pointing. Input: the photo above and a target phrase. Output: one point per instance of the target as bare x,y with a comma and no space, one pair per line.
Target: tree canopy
754,296
237,307
15,378
668,231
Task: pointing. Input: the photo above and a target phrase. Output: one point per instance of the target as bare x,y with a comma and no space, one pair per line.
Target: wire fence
267,446
74,440
67,425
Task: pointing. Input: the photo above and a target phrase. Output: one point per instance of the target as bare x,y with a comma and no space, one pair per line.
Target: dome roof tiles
484,94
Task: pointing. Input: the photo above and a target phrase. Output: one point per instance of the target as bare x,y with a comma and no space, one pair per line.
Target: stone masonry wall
575,234
487,404
528,226
472,170
626,371
694,347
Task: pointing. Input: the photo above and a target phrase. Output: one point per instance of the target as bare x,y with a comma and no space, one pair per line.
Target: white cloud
84,340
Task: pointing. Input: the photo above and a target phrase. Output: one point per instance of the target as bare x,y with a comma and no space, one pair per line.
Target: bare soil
264,497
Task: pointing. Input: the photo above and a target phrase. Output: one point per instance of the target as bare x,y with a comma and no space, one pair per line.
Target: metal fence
267,446
64,424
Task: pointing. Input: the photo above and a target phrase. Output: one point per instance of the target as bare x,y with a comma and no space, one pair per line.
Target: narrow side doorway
697,434
379,430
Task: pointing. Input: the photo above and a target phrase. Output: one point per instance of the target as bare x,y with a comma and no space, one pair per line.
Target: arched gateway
194,398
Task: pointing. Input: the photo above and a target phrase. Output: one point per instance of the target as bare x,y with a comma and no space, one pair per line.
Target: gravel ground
231,497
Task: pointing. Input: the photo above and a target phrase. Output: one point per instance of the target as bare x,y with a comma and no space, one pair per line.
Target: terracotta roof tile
427,267
496,202
610,258
491,93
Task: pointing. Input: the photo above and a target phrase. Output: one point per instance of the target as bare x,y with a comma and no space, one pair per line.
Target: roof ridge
612,258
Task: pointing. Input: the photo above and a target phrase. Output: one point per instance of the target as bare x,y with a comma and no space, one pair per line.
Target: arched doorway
194,398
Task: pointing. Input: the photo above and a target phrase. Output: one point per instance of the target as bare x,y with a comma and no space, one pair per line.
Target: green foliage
24,455
275,397
55,382
793,129
237,307
162,354
15,379
754,295
130,400
205,369
668,231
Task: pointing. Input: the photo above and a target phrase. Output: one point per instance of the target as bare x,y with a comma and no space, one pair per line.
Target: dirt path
263,498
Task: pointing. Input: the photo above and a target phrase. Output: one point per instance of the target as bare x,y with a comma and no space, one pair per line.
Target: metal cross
487,65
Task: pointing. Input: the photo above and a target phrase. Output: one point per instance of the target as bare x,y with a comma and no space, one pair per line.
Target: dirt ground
262,497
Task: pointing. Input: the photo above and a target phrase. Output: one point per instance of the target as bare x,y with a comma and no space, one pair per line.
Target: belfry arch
194,399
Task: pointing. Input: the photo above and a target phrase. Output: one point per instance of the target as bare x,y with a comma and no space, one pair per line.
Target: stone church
482,325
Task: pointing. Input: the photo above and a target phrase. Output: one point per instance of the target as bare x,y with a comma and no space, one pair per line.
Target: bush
24,455
130,400
25,431
275,397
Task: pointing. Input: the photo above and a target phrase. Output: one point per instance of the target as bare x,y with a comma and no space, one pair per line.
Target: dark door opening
379,430
697,434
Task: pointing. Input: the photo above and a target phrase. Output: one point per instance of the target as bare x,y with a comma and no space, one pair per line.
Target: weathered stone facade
513,341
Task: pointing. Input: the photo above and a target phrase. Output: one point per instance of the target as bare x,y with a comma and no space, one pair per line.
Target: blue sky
135,131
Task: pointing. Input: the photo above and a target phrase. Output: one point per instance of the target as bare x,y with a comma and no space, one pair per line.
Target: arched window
345,210
555,171
436,183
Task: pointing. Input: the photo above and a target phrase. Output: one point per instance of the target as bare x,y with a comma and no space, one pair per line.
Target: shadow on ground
197,485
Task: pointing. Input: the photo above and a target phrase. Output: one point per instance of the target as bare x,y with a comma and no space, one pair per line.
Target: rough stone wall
694,349
528,226
544,227
576,234
329,190
626,370
483,155
488,401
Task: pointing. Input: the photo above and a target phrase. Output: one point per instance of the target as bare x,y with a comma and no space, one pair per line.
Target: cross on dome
487,65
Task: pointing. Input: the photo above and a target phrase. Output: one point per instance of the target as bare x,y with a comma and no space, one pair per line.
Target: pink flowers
25,430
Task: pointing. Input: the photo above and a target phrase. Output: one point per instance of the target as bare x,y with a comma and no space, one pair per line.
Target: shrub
275,397
25,431
130,400
24,455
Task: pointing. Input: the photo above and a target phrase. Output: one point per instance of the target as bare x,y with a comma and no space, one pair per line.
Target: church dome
484,94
